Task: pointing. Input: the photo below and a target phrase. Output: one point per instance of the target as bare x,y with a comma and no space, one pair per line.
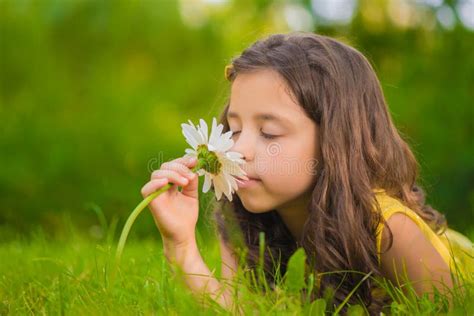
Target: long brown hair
361,149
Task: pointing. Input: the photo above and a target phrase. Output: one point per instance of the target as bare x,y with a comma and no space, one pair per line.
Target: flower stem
133,216
138,209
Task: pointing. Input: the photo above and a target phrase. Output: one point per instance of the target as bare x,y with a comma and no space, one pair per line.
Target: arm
197,275
412,256
229,261
228,268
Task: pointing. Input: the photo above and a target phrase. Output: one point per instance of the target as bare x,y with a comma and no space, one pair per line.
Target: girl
328,172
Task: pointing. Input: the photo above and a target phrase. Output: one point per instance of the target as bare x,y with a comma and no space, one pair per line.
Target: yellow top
455,249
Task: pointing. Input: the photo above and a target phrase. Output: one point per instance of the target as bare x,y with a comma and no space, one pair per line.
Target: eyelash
266,136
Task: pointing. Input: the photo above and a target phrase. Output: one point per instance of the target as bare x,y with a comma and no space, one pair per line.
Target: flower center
208,160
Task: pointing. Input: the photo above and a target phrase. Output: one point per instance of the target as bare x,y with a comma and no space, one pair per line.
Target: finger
173,190
152,186
178,167
187,161
189,185
191,189
171,175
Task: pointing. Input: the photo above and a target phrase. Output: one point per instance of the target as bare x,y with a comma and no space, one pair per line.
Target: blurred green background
93,93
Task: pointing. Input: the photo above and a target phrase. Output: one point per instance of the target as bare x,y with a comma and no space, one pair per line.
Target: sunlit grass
71,275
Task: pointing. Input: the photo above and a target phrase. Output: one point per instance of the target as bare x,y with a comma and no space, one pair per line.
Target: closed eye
264,135
268,136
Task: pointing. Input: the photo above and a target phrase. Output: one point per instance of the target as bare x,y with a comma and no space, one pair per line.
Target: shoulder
412,257
399,217
409,249
404,223
407,228
403,228
390,205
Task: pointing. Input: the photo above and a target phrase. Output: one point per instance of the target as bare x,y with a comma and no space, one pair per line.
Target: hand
175,212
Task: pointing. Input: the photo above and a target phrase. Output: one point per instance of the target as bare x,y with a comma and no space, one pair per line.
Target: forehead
263,91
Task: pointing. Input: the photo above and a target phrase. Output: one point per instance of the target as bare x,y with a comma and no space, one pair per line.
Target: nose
244,143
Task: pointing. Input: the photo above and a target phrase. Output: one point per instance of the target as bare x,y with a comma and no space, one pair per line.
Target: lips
241,178
246,178
249,182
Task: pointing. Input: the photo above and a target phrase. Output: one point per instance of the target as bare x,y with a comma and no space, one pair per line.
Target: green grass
70,274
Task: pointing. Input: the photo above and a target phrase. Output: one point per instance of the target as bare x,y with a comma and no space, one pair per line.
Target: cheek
287,171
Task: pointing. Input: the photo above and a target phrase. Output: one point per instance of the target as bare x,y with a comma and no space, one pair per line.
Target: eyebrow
263,117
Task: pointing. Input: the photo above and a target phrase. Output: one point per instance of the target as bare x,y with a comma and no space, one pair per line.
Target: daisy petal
207,183
190,151
220,186
228,192
215,134
218,192
234,185
203,130
190,135
197,135
225,145
231,181
233,155
201,172
227,135
225,181
221,181
191,124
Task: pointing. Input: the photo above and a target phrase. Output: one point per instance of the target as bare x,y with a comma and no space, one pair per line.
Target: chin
255,205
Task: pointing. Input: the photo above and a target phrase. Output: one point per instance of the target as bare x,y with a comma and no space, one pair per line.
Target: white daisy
219,166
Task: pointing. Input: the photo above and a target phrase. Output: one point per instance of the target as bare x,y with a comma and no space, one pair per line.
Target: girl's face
278,141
